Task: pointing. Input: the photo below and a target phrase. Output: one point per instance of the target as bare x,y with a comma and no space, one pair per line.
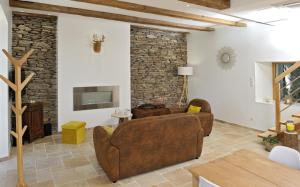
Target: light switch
251,81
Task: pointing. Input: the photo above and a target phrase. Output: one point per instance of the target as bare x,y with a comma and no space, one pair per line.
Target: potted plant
270,142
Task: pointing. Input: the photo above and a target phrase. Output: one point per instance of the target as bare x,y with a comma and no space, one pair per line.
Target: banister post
277,106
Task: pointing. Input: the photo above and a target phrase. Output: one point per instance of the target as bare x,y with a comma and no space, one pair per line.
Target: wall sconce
97,42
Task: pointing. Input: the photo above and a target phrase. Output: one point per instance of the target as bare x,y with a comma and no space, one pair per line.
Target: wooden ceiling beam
103,15
215,4
163,12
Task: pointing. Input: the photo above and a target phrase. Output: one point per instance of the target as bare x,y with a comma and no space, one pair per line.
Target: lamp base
22,185
184,96
181,104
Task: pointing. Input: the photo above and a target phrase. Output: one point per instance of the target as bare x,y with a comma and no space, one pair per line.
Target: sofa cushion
109,130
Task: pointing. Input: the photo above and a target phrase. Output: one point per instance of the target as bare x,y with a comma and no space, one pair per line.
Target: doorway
4,111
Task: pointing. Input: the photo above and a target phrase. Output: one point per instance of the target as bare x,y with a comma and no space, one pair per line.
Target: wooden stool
290,139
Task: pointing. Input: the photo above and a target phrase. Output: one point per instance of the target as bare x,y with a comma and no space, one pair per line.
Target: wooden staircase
280,126
273,132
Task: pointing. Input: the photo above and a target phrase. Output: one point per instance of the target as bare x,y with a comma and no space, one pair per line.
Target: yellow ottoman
73,132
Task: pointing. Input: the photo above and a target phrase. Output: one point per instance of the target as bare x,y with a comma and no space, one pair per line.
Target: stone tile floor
49,163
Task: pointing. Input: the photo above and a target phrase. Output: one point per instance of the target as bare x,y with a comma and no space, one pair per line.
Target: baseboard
234,124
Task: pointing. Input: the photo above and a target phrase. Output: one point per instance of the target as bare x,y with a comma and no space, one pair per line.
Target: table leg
195,181
121,120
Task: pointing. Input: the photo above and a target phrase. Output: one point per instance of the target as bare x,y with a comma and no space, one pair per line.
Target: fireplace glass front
86,98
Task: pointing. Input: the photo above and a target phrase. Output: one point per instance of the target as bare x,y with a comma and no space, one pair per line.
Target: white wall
78,66
6,9
229,91
4,127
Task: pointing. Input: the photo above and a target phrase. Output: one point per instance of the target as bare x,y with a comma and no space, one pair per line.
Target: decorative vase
290,126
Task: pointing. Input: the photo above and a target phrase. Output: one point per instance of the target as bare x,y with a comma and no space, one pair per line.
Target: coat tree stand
18,86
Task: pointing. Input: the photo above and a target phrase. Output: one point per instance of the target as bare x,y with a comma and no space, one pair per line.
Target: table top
293,132
121,115
247,169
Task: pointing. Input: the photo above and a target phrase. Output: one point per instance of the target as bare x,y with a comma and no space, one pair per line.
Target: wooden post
18,86
273,78
277,107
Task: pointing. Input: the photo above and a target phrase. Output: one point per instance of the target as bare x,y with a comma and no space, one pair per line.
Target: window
290,85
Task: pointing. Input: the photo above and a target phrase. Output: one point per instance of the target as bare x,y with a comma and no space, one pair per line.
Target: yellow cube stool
73,132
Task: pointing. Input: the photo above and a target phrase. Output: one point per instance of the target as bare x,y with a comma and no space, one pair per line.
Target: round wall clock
226,57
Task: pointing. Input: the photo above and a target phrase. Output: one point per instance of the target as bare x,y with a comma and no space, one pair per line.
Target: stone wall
38,32
155,56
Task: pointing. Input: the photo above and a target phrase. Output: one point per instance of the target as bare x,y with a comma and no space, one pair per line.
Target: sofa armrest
207,120
200,137
107,155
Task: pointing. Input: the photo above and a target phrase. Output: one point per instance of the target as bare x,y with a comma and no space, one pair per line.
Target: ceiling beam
103,15
216,4
162,12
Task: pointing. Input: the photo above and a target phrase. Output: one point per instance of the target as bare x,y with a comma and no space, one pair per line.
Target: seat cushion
73,132
73,125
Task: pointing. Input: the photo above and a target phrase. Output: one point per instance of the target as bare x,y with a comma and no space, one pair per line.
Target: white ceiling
248,9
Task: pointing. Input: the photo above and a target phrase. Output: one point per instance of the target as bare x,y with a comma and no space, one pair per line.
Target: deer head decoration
97,42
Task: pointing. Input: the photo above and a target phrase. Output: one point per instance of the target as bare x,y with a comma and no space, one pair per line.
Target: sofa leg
114,181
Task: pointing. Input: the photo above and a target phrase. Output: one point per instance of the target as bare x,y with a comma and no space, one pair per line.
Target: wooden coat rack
18,86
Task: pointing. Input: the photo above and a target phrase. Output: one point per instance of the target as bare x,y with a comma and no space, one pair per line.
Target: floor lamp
185,72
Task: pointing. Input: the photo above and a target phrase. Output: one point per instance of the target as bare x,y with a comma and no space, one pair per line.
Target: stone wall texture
155,57
38,32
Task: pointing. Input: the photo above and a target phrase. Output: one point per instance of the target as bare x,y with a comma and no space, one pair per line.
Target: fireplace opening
96,98
87,98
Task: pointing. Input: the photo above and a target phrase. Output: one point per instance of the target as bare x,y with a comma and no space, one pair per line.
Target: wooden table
246,169
122,117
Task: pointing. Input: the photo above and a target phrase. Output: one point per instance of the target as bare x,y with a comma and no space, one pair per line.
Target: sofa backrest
154,142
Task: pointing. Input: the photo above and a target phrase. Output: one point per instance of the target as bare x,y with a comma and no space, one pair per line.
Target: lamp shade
185,70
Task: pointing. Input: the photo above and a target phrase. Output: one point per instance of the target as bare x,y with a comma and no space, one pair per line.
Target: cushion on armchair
109,130
194,109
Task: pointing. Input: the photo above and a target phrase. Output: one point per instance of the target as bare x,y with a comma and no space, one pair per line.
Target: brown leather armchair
205,115
146,144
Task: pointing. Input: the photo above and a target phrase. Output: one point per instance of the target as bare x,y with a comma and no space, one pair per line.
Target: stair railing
277,93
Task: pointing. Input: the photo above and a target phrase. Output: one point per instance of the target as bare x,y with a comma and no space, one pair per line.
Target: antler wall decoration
97,42
18,86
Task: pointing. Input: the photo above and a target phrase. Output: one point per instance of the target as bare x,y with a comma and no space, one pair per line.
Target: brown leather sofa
143,145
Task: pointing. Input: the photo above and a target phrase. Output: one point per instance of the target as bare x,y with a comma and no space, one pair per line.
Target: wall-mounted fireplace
87,98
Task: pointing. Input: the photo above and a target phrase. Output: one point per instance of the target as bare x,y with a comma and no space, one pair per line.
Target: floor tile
49,163
75,162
